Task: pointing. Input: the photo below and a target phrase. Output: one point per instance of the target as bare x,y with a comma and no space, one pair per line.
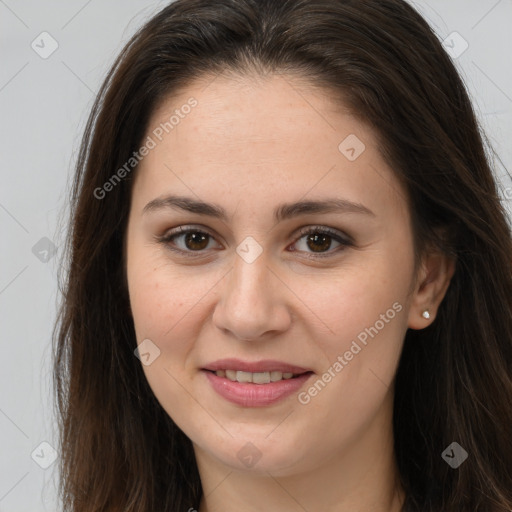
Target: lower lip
247,394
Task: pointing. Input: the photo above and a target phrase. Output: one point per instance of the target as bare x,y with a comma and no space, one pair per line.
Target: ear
434,276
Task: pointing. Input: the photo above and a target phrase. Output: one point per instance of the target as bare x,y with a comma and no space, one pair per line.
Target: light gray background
44,105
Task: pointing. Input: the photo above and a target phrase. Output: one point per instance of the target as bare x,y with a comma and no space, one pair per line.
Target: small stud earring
426,314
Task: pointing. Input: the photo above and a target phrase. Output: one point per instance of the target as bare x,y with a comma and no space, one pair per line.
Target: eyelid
335,233
184,229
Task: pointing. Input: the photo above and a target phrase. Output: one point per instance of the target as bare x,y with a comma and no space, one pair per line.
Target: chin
258,455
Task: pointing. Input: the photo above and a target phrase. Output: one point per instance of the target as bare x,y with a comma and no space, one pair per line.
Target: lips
247,394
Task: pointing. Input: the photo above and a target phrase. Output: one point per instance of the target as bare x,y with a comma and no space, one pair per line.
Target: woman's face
262,168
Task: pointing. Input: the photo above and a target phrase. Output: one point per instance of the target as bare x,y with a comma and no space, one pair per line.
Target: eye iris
315,238
196,238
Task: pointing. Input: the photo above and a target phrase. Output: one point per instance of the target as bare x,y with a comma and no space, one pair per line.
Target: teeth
255,378
243,376
230,374
275,376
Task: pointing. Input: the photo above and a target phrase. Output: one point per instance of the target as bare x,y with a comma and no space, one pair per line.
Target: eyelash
180,231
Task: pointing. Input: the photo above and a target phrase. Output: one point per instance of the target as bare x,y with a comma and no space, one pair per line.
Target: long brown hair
120,451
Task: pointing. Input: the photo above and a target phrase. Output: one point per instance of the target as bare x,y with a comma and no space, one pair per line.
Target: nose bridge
249,283
250,304
250,270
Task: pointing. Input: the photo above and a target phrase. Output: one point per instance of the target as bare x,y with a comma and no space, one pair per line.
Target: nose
252,303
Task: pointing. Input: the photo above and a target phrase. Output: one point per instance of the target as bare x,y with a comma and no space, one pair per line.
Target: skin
250,144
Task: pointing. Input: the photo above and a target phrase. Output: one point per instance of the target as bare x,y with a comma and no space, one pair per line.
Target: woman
290,279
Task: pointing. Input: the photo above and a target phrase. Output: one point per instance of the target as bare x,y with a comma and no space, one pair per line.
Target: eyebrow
282,212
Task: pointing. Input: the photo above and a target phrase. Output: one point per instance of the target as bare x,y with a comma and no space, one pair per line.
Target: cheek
170,306
166,310
163,305
160,294
365,312
363,316
359,295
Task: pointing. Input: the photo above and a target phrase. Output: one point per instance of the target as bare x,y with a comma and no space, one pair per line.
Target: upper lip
267,365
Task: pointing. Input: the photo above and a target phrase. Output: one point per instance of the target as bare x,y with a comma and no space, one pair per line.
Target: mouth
255,384
257,372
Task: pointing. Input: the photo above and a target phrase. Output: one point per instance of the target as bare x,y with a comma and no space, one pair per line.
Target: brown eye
319,240
195,240
319,243
187,240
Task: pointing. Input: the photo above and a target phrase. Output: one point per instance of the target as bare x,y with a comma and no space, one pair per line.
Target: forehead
263,135
241,110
